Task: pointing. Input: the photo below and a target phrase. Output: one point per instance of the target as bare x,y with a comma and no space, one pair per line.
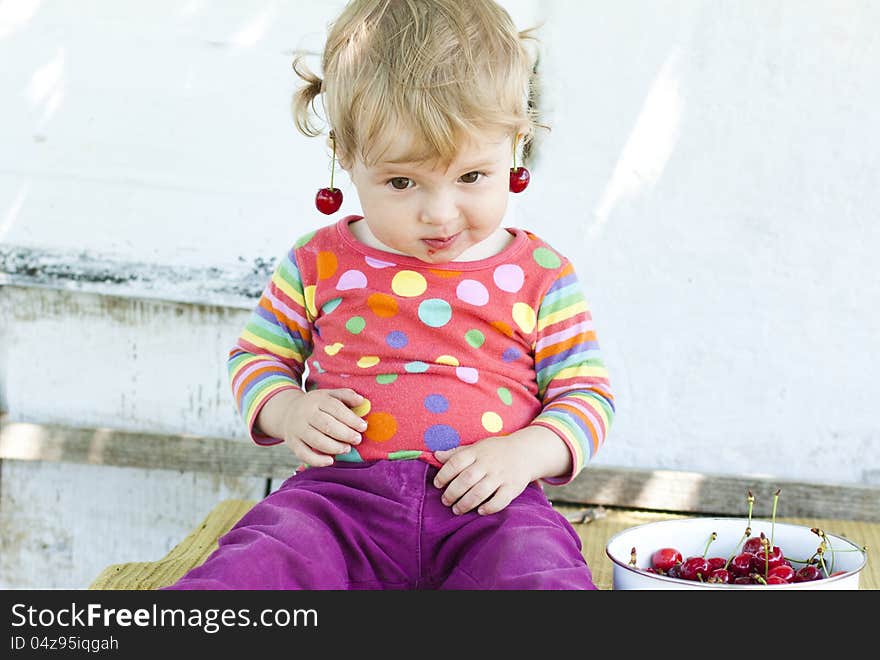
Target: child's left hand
489,474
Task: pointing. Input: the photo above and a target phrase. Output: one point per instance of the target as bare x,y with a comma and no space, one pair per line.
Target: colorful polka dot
386,379
327,265
505,396
492,422
546,258
330,305
304,240
382,305
451,360
441,436
309,299
362,408
502,327
372,262
467,374
351,456
381,426
444,273
403,454
351,279
367,361
510,354
509,277
409,284
355,325
396,339
333,349
472,292
435,312
436,403
475,338
317,367
524,316
416,367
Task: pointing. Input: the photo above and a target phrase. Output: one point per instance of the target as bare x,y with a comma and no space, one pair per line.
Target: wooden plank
235,285
694,492
660,490
103,446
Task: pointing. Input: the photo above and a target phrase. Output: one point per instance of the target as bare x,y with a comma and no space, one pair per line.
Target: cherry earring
519,176
328,200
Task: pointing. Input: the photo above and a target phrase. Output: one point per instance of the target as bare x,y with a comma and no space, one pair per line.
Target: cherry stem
773,518
826,543
736,548
767,548
515,140
632,557
712,537
333,160
751,500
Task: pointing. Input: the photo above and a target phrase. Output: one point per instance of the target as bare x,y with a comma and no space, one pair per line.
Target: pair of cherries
328,200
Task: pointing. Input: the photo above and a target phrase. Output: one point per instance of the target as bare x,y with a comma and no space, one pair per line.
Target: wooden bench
595,525
600,502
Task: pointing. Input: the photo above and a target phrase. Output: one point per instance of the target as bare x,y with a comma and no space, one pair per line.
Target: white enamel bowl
690,535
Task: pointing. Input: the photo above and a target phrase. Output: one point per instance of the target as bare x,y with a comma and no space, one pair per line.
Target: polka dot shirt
444,354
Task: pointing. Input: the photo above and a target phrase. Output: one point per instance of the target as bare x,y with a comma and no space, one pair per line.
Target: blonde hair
438,71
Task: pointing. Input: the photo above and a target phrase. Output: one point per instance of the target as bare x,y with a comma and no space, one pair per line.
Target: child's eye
400,182
471,177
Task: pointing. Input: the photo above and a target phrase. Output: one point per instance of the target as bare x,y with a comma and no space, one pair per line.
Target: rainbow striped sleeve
572,379
269,355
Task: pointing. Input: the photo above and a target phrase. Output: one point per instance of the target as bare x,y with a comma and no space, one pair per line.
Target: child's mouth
441,243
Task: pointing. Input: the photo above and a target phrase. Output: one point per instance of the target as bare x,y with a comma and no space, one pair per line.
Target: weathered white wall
712,170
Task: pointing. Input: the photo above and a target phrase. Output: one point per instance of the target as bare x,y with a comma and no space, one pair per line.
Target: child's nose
440,210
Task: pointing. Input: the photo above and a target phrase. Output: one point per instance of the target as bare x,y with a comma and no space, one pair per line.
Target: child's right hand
316,425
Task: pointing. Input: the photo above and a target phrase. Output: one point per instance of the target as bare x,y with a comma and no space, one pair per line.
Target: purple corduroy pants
381,525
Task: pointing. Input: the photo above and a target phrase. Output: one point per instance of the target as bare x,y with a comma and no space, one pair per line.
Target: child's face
432,212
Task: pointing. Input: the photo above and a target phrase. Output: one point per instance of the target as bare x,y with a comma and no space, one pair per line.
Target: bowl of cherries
733,553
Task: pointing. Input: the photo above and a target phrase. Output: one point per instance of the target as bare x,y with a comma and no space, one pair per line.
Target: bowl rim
665,579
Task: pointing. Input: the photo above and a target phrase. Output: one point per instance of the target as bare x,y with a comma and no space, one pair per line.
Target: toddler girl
429,366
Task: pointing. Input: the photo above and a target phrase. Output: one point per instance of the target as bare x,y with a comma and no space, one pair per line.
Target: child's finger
351,417
335,429
324,444
308,455
347,395
454,461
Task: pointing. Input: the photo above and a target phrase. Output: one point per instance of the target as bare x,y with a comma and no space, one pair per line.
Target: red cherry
666,558
674,571
695,568
742,579
807,574
519,179
784,571
753,545
775,579
764,560
719,576
716,562
741,564
328,200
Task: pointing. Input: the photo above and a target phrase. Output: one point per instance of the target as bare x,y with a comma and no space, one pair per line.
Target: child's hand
319,424
489,474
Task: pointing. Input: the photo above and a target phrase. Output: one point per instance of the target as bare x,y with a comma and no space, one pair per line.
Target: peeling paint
237,285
